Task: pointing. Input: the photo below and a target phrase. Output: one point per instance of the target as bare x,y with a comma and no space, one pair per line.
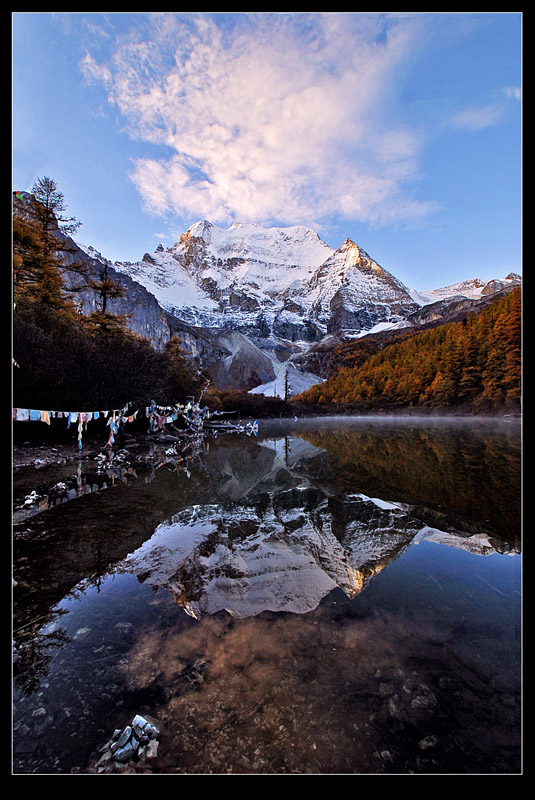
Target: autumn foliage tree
474,364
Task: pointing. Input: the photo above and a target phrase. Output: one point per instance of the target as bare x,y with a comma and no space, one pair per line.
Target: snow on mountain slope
350,284
271,281
266,261
473,289
283,284
211,270
279,249
171,284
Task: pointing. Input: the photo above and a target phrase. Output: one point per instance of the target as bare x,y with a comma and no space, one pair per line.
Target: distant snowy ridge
473,289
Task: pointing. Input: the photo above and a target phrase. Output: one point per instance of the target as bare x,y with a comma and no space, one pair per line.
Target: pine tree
41,245
49,212
106,288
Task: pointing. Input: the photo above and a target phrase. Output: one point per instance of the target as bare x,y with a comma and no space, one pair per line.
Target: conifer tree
41,244
49,211
106,288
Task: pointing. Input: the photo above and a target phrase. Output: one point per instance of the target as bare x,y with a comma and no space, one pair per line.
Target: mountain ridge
277,281
280,271
259,309
285,290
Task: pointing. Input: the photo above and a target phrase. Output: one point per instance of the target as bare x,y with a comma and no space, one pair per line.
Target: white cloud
476,118
513,91
480,117
281,118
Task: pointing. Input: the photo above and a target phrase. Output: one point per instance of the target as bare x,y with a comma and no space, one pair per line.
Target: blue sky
399,130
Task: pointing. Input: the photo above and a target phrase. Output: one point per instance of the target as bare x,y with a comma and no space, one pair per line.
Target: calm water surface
351,588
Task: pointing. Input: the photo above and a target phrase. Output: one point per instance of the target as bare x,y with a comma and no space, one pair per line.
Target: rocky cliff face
229,358
145,315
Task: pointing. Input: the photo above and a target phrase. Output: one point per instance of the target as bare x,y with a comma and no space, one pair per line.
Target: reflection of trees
471,472
34,651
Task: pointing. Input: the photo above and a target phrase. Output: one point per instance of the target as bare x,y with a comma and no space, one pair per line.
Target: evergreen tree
106,288
102,320
49,212
41,246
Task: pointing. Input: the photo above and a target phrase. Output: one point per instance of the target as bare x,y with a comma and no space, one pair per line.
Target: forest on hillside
61,358
473,366
66,360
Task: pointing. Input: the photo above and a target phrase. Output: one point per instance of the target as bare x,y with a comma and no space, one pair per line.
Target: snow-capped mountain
251,304
473,289
282,282
278,292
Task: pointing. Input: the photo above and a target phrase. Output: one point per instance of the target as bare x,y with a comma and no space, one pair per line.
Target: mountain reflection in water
251,528
292,526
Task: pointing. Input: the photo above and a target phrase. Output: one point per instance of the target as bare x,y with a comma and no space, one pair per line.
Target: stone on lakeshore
127,752
133,743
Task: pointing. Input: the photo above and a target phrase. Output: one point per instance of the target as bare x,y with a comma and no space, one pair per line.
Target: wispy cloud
479,117
476,118
274,118
513,91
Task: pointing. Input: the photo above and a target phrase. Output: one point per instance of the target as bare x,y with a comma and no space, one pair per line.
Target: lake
333,596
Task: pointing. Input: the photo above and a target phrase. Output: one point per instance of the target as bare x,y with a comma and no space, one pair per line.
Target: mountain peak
199,230
349,246
276,282
355,256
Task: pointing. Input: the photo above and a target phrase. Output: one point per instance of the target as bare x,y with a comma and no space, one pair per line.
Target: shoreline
40,453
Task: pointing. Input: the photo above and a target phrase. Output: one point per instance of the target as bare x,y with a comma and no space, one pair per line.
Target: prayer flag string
191,413
115,418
